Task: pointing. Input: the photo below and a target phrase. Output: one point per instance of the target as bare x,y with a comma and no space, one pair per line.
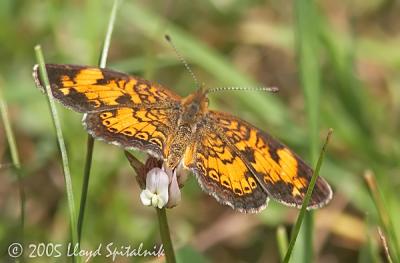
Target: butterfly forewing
84,89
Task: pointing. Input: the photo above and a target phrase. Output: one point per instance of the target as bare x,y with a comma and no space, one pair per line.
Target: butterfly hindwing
283,175
144,129
222,173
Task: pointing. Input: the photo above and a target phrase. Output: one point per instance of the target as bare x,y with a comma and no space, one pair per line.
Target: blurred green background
336,64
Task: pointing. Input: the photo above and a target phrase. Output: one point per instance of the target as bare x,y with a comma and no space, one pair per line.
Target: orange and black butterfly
235,162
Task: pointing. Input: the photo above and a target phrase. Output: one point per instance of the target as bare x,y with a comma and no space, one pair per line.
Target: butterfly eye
194,107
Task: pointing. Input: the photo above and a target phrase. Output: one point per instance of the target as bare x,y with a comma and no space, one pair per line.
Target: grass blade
307,198
16,164
8,130
307,46
107,40
90,140
281,237
85,183
385,245
384,218
61,144
306,35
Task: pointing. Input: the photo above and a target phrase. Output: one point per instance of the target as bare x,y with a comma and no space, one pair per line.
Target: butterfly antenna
268,89
180,57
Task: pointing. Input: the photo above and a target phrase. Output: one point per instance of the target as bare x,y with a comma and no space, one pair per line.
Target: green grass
283,243
302,214
308,53
386,229
334,69
61,144
16,164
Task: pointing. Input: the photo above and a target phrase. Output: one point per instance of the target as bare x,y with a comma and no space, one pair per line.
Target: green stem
61,144
15,160
308,236
85,184
107,40
9,132
90,140
165,235
281,237
307,198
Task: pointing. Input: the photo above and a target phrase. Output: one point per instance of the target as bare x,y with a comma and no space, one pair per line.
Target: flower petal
152,179
146,197
174,192
163,182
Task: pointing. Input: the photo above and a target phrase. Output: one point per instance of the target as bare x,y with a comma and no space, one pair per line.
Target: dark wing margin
282,173
85,88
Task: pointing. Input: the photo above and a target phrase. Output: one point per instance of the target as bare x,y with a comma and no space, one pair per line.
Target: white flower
156,192
162,188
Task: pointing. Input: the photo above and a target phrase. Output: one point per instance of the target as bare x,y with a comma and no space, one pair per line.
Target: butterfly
235,162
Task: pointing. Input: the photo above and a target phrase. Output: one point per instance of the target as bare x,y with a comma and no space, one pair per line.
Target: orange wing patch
223,174
92,89
282,174
147,129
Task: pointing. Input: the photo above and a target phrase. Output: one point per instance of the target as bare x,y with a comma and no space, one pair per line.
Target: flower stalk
165,235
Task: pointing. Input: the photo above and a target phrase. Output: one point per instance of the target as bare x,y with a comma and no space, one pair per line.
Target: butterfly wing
279,171
222,173
120,109
86,89
144,129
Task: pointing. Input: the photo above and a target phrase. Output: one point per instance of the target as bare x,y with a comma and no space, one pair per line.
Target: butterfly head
196,104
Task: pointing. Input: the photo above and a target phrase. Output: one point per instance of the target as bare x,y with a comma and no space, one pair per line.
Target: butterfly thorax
194,108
